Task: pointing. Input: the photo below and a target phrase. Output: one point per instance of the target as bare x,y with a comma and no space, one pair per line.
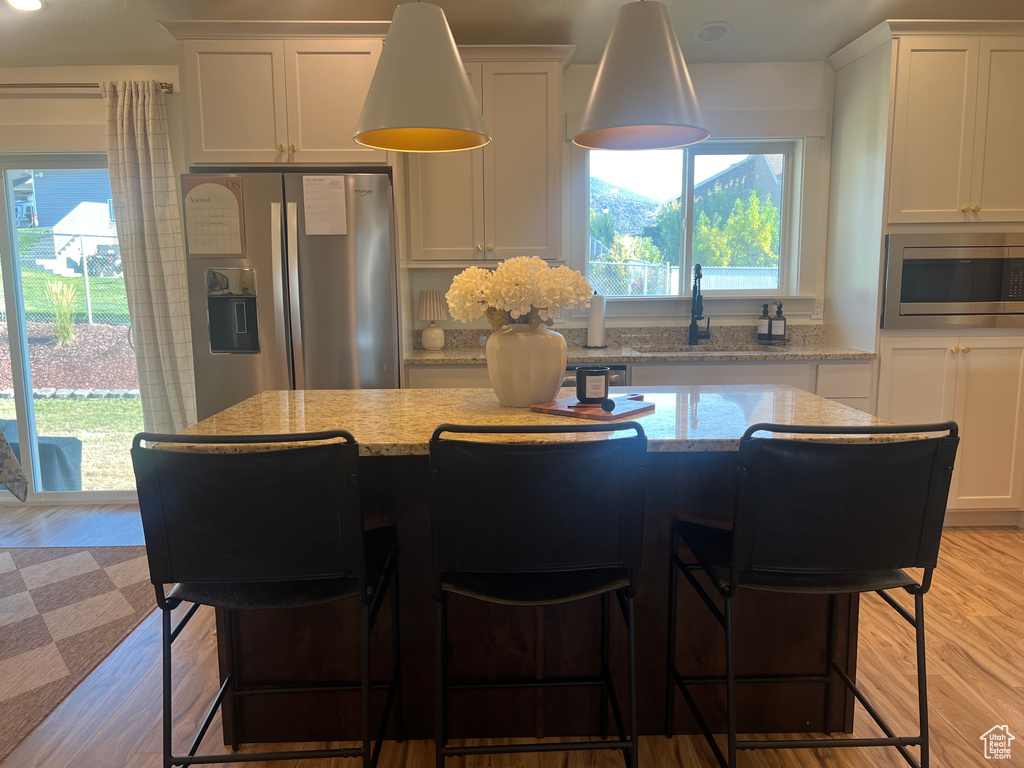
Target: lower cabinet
794,374
446,376
978,381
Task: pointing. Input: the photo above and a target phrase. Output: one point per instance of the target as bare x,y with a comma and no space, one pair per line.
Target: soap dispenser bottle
764,323
778,324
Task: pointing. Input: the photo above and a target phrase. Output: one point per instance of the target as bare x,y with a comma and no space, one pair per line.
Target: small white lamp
432,308
643,97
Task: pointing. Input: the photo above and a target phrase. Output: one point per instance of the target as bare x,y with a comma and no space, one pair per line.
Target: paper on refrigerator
323,200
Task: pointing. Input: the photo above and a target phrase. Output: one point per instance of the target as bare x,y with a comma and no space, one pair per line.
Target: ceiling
87,32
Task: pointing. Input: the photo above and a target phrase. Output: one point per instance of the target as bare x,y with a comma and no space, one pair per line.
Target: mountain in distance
632,210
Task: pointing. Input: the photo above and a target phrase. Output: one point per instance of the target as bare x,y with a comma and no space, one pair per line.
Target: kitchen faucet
697,311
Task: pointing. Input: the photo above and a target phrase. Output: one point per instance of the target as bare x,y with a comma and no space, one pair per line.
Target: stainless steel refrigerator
283,301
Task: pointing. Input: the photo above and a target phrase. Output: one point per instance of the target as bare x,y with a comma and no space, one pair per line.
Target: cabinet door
522,106
446,191
933,129
917,379
997,187
989,409
795,374
327,82
235,100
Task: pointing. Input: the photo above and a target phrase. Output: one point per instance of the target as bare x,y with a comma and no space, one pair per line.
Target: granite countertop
397,422
654,354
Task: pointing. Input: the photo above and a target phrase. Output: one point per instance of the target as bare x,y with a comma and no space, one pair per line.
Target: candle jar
592,383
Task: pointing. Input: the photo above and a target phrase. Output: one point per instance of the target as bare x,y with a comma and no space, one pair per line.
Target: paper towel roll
595,322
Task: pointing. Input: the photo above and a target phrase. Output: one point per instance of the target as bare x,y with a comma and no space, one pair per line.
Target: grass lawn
108,297
105,427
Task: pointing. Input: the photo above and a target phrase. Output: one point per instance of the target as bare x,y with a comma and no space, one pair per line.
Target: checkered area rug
62,611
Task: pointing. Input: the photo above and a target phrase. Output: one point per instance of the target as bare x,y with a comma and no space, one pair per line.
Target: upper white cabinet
278,101
957,154
502,200
978,381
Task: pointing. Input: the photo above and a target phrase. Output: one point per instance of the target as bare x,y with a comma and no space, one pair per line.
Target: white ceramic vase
526,365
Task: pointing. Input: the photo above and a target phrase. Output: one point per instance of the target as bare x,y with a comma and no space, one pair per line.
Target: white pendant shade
643,97
420,99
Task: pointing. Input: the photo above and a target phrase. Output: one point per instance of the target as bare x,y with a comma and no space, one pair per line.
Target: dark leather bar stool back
817,507
828,517
569,506
564,524
264,526
252,516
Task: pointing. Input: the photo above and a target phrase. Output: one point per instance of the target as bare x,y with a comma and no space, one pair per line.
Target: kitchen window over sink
726,205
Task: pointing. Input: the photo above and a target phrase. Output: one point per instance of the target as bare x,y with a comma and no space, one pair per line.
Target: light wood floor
975,615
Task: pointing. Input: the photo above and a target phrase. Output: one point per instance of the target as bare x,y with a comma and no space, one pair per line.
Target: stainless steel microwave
954,281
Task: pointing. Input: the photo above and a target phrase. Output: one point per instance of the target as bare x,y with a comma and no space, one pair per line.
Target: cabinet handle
291,147
479,247
490,247
976,209
967,349
954,350
966,209
280,147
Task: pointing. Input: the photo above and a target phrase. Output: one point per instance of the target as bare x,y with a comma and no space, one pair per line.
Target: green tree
666,234
710,246
634,248
749,237
602,227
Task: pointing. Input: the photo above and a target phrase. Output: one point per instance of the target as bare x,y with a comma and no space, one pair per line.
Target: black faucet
697,311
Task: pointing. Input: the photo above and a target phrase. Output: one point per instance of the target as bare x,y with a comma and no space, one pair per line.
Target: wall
769,100
66,120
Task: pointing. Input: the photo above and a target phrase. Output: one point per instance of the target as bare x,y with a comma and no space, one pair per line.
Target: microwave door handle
294,309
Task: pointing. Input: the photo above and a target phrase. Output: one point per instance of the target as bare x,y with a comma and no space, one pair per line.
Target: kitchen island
692,435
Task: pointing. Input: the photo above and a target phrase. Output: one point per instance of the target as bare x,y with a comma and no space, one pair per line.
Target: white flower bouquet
525,289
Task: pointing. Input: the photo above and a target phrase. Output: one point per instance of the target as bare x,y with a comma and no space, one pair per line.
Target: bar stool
570,528
274,527
821,517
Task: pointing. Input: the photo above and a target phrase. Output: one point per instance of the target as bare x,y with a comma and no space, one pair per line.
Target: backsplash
669,337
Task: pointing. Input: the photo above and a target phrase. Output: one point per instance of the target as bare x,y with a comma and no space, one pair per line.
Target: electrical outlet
819,309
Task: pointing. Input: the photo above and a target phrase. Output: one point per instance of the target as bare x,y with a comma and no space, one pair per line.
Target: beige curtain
147,210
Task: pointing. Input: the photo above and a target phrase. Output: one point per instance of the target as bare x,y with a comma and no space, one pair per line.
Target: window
723,205
69,396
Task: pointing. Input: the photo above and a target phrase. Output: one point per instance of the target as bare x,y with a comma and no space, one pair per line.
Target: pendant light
643,97
420,99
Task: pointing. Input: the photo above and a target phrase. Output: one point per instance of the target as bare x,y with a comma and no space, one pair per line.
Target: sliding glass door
69,399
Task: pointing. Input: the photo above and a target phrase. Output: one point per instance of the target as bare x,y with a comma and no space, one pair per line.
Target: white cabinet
978,381
799,375
957,154
444,376
278,101
502,200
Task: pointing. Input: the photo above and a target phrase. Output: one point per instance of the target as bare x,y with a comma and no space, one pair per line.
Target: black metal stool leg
365,685
922,677
441,682
605,672
396,656
830,658
634,753
670,683
730,683
165,617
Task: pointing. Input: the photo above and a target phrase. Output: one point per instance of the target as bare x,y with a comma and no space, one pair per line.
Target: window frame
14,301
789,226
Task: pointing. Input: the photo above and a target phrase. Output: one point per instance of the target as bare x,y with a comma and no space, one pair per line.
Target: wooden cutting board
625,406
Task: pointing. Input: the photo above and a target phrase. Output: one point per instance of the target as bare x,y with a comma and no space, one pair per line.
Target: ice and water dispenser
231,304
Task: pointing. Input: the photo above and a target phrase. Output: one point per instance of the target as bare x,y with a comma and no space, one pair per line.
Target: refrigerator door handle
277,268
295,313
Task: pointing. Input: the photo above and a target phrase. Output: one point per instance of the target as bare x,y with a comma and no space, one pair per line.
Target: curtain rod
165,87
